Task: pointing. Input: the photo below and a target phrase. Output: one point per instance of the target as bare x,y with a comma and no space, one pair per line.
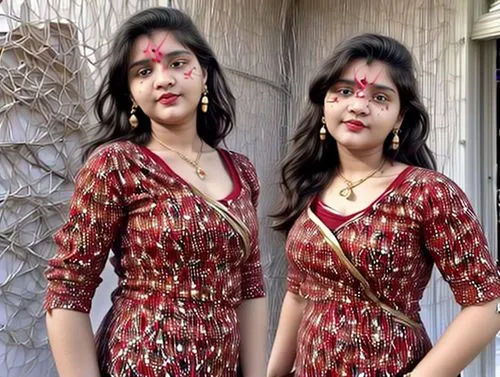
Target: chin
357,145
168,121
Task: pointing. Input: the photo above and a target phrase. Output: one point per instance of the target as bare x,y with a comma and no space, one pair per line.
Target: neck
357,164
183,139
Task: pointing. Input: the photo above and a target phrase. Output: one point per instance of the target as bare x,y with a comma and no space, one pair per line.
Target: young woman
177,212
367,217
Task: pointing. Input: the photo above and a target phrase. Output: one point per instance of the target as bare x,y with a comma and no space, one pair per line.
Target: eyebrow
171,54
376,86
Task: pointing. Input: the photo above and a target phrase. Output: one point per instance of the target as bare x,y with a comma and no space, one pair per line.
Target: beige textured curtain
249,40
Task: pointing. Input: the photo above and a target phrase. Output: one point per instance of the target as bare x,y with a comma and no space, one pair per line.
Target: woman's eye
178,64
381,98
144,72
344,91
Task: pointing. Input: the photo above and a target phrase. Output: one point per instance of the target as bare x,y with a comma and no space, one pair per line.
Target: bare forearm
464,339
252,316
72,343
285,342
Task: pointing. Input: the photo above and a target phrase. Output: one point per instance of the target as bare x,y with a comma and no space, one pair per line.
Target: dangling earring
204,100
134,122
322,130
395,139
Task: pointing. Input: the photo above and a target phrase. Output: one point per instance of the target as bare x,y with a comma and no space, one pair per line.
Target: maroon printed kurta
182,268
424,219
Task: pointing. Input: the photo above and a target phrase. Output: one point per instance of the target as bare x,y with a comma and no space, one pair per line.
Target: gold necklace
346,192
196,163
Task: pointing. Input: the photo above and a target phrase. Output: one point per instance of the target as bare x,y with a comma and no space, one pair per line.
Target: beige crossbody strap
335,245
236,223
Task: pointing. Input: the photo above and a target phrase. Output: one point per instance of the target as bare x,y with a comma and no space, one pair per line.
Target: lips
168,98
354,125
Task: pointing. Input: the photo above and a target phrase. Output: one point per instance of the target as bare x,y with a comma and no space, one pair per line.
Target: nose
358,106
164,78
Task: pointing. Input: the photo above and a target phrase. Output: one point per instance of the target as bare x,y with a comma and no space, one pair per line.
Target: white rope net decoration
50,59
42,122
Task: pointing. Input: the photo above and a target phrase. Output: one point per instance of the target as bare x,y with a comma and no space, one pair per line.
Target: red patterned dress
183,269
422,219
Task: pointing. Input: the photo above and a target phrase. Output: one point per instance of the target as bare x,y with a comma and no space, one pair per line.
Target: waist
352,295
328,291
146,290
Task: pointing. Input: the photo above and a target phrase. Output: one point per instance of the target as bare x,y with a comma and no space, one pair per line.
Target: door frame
484,29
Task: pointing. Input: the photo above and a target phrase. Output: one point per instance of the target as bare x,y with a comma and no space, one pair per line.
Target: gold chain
196,163
346,192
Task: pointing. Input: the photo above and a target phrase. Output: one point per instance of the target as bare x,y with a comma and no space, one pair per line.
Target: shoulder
433,180
246,171
242,163
436,188
240,160
117,155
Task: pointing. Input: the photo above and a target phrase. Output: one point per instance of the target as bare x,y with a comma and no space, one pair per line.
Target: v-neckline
349,218
226,159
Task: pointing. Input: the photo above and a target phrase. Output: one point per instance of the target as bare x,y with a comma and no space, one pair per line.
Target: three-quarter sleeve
252,275
84,241
456,242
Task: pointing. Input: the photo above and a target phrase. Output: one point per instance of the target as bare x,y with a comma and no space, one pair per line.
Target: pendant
201,173
346,192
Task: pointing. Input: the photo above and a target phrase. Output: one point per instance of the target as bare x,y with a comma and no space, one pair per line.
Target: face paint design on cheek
385,108
332,99
189,74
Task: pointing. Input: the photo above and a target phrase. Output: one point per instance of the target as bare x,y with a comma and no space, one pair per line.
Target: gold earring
134,122
322,130
395,139
204,100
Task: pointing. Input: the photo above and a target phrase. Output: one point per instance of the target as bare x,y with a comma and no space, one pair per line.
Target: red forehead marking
153,52
363,83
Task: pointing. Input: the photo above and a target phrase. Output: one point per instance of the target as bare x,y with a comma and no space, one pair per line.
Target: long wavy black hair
310,163
113,102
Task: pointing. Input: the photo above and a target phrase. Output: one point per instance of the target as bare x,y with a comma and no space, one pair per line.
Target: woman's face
363,106
165,79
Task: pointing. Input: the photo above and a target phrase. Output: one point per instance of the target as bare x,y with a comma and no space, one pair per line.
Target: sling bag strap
335,245
235,223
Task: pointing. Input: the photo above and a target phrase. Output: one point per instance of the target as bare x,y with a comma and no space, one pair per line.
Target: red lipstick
168,98
354,125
